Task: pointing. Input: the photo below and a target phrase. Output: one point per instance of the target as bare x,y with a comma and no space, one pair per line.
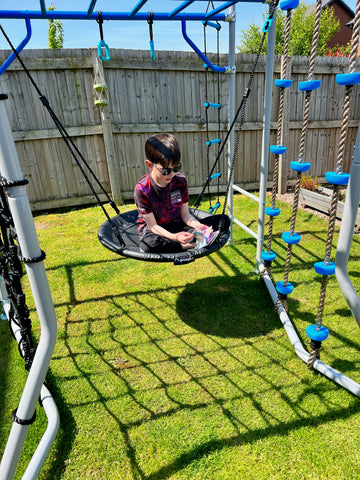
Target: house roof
328,3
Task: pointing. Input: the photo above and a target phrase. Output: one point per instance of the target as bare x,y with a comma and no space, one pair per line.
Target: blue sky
126,34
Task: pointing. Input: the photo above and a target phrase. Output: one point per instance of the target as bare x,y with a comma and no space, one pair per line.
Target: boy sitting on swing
165,224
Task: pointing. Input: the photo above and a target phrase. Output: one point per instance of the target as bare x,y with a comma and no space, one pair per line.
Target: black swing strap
70,144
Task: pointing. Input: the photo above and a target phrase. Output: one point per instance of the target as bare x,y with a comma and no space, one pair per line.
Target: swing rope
207,105
327,265
284,68
239,113
303,136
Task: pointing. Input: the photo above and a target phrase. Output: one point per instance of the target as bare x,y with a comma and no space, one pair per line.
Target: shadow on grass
227,307
67,430
5,373
207,448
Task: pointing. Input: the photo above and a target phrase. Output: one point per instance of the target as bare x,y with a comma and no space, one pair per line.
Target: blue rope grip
150,22
283,82
284,289
289,4
20,47
325,268
272,211
300,166
214,208
309,85
291,238
267,23
152,50
348,78
268,257
336,178
278,149
210,142
318,334
100,46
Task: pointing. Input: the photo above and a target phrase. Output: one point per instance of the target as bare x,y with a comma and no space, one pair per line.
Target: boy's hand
185,237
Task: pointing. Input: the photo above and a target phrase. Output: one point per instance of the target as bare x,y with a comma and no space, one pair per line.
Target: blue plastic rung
213,105
210,142
325,268
214,208
348,78
284,289
211,24
318,334
272,212
292,238
300,166
215,175
270,257
283,82
309,85
337,178
278,149
289,4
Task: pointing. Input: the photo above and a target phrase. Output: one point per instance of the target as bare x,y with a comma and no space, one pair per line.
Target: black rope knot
21,421
13,183
38,259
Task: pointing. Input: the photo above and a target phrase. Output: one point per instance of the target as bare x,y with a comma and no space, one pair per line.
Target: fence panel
147,97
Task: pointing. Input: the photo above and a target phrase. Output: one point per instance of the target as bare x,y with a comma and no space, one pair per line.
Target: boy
161,196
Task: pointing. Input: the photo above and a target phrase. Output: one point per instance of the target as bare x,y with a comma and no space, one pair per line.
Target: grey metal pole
346,234
27,239
270,55
300,351
232,102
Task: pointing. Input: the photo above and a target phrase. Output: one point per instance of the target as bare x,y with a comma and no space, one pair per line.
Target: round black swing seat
126,225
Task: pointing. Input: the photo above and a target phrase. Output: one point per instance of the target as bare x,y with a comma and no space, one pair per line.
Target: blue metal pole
142,16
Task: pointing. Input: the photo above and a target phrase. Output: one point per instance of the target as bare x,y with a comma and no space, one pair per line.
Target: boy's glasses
167,171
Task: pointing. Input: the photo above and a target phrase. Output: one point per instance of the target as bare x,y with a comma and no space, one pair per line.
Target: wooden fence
145,97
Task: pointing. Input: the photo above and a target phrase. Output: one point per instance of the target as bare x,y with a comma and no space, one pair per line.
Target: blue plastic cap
318,335
278,149
270,257
283,82
291,238
289,4
337,178
325,268
285,290
300,166
272,212
309,85
348,78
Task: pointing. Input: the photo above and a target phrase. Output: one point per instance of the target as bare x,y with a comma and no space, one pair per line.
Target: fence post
112,162
284,159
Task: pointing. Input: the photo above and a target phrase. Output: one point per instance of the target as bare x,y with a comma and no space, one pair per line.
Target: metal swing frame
23,220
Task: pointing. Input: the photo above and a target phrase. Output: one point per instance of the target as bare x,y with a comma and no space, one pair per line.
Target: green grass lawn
185,372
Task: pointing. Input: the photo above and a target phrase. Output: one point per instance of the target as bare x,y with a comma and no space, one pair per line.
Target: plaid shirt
164,202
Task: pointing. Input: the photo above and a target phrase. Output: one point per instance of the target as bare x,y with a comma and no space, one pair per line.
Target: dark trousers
153,243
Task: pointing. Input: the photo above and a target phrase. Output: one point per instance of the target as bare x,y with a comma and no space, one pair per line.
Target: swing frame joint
230,17
230,69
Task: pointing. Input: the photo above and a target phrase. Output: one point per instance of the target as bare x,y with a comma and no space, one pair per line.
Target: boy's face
157,172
